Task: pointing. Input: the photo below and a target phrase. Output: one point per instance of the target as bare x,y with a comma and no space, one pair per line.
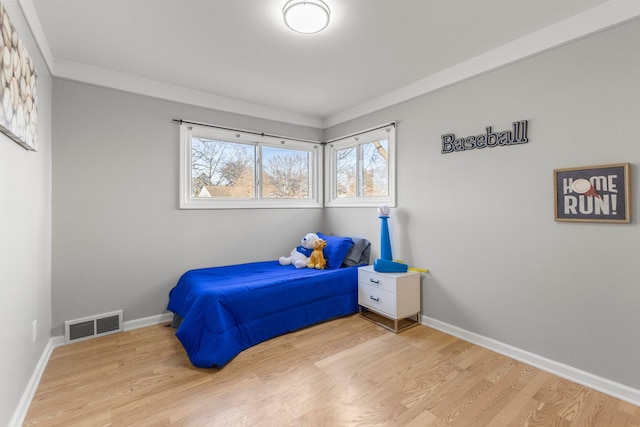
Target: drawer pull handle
374,298
377,282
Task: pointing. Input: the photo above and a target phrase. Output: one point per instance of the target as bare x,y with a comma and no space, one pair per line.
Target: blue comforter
228,309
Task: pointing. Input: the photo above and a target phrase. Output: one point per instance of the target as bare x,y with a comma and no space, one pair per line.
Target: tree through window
227,169
222,169
361,169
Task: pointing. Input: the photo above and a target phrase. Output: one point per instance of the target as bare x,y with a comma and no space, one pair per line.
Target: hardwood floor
346,372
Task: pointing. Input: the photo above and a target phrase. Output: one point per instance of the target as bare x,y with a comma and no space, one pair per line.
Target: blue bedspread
228,309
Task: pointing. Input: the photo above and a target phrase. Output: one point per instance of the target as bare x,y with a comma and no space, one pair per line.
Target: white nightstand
392,300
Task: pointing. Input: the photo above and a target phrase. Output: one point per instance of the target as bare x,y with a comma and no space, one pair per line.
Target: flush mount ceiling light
306,16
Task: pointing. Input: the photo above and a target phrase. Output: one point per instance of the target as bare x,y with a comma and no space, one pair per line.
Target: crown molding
74,71
33,22
599,18
97,76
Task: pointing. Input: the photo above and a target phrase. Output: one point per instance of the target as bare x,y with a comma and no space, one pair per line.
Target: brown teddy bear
316,260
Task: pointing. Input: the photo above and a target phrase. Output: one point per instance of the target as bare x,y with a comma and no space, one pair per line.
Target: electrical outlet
35,330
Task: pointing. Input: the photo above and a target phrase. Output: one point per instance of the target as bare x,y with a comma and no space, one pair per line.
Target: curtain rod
361,132
180,121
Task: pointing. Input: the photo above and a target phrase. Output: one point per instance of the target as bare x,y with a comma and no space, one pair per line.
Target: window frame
365,137
187,201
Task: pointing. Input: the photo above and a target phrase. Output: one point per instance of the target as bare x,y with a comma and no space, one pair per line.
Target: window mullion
258,172
360,171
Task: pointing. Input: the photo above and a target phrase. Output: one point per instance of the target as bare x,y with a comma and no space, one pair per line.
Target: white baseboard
25,401
612,388
130,325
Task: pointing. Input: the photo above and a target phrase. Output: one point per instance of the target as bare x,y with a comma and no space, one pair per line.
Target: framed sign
593,193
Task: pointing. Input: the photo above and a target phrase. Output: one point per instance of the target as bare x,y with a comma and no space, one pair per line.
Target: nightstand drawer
377,299
380,281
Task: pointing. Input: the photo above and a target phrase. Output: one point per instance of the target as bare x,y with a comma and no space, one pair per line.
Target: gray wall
483,221
25,241
119,239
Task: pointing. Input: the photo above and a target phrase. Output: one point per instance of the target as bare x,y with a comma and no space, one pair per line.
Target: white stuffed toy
299,256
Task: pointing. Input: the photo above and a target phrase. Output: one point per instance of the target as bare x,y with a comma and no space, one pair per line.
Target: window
223,169
361,169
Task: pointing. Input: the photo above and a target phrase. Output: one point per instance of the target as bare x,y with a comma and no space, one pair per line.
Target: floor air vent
93,326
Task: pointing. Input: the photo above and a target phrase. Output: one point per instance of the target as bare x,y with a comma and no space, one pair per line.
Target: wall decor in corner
514,136
593,193
18,87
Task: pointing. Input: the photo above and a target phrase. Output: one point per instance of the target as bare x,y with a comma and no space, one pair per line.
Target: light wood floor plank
345,372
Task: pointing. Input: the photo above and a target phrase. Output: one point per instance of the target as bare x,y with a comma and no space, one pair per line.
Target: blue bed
225,310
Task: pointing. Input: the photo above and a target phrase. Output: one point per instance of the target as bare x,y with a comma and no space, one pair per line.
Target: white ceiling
237,55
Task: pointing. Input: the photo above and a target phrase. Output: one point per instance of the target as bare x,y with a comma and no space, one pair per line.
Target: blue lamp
385,263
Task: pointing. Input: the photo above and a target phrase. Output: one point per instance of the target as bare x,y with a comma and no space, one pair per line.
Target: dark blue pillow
336,250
